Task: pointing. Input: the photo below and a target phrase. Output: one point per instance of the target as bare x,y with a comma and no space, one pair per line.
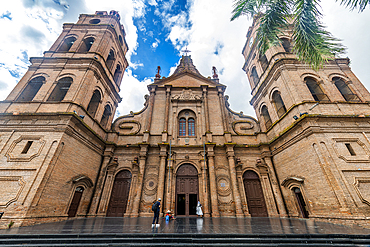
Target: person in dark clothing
156,209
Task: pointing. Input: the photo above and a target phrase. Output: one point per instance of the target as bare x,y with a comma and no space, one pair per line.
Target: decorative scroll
129,127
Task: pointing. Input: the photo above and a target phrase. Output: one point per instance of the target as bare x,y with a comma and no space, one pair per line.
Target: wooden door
75,202
120,193
254,194
186,190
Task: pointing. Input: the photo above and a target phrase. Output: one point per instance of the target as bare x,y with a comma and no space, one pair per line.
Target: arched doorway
186,190
75,201
119,197
254,194
301,202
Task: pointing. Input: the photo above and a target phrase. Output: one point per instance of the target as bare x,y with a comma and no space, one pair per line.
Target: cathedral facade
63,156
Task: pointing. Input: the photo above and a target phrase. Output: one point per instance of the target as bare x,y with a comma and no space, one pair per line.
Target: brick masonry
68,151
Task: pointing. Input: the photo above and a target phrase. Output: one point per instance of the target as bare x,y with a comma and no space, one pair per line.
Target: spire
186,64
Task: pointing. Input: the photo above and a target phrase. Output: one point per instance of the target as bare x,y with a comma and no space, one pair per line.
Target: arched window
86,45
94,103
263,61
75,201
346,92
186,123
106,114
67,44
117,73
182,127
61,89
110,59
191,127
31,89
279,104
120,39
301,203
266,117
255,77
316,90
286,45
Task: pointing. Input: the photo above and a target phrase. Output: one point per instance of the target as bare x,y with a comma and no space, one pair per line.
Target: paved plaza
189,225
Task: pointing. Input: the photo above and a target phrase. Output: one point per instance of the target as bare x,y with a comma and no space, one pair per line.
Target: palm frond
355,4
271,24
246,7
312,43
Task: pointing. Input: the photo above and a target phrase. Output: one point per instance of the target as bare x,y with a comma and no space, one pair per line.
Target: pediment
186,79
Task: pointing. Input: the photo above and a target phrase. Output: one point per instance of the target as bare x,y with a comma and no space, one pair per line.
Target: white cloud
152,3
132,93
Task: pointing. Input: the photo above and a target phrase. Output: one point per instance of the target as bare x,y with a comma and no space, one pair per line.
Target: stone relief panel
223,185
12,188
351,150
186,95
25,148
150,186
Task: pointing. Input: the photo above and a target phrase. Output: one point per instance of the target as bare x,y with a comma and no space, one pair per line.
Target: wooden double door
186,190
254,194
120,192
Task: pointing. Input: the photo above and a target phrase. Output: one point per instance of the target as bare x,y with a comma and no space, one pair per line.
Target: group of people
157,207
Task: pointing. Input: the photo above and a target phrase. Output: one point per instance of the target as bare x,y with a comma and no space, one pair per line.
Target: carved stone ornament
186,95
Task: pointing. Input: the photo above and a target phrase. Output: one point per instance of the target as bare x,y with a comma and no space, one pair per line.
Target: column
276,188
206,108
238,205
99,186
161,175
212,181
107,189
140,180
205,188
169,184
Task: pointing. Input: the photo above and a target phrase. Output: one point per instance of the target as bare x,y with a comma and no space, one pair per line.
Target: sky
156,33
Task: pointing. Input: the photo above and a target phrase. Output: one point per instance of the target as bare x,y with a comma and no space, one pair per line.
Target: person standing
156,209
199,209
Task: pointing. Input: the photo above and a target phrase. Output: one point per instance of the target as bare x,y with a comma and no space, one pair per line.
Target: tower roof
186,64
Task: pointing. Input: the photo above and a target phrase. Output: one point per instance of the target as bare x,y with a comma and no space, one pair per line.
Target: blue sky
156,32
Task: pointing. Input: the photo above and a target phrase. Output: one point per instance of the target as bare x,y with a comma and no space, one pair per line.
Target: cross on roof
186,51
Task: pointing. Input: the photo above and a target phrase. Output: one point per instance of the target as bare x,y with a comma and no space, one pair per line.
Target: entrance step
176,239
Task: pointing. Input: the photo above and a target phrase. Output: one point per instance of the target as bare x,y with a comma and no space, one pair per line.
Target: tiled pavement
189,225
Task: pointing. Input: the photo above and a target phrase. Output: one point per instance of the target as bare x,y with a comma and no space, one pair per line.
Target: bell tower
316,129
80,73
284,89
54,124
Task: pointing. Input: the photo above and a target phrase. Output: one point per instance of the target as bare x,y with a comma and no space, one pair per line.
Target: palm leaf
312,43
355,4
272,23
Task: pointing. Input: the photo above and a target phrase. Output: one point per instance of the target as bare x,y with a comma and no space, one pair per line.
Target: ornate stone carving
186,95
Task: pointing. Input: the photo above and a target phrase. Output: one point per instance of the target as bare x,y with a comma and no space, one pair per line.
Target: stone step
187,239
180,244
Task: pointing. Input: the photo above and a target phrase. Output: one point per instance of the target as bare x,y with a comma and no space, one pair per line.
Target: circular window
94,21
